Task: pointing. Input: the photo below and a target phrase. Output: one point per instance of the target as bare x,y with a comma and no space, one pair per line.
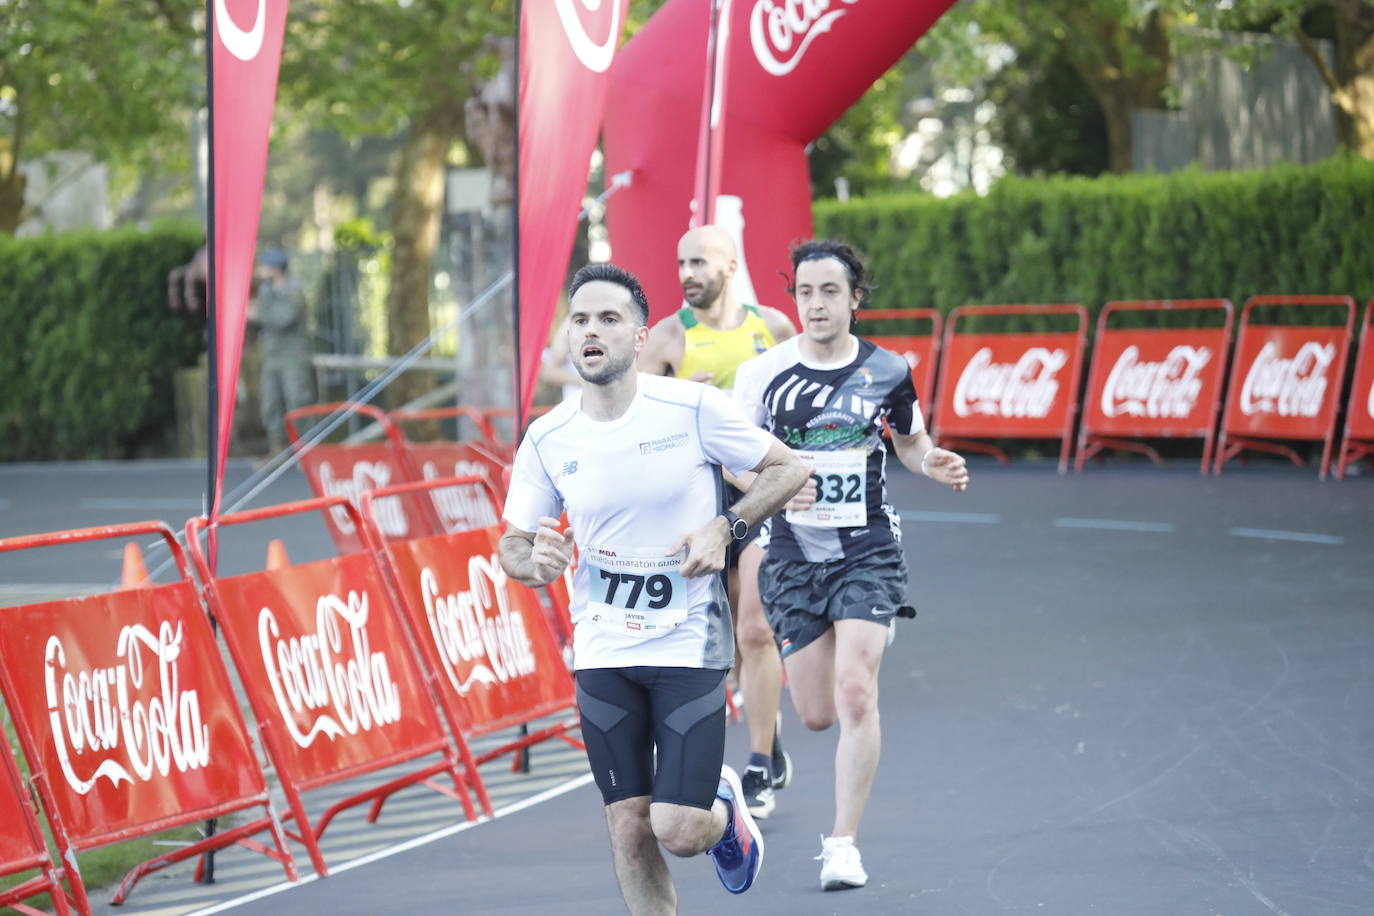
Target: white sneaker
841,866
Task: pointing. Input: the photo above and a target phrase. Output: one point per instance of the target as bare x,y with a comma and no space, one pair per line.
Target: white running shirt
632,487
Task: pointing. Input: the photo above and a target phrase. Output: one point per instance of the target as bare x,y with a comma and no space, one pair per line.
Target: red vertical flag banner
566,49
787,70
246,42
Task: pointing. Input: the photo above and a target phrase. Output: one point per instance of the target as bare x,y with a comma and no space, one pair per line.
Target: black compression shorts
627,712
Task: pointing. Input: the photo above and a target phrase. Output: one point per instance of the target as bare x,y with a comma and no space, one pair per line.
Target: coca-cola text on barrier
22,847
457,508
127,718
1359,411
1009,385
330,673
1155,382
489,648
921,351
349,471
1285,381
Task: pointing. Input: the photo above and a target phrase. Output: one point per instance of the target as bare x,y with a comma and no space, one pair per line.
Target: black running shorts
802,597
627,712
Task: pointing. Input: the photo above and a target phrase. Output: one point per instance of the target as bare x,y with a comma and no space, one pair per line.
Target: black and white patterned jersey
832,415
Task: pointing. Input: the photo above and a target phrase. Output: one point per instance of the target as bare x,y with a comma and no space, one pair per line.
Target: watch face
740,529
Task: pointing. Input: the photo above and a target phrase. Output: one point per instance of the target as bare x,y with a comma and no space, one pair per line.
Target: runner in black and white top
835,576
636,464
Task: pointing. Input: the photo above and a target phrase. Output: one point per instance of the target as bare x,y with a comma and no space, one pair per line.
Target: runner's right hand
552,550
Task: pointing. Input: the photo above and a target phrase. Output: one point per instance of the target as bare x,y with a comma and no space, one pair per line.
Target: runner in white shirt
835,576
636,464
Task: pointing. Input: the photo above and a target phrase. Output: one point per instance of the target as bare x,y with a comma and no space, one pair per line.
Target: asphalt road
1132,691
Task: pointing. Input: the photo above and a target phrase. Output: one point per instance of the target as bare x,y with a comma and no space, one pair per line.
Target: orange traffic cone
276,554
135,574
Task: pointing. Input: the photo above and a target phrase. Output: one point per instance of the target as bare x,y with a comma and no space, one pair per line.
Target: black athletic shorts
802,597
628,712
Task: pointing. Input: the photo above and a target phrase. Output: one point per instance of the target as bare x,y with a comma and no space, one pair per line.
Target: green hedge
1288,229
90,345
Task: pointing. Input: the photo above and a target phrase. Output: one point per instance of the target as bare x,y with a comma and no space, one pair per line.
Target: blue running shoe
739,853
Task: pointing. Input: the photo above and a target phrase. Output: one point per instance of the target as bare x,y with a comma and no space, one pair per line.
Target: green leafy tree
114,78
1122,50
381,67
1348,23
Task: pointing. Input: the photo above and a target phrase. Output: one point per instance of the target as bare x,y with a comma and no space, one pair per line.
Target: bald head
706,258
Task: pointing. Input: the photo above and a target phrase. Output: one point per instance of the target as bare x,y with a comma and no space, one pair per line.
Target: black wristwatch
739,528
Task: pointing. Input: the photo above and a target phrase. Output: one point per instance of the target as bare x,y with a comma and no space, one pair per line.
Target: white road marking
1305,537
1113,524
389,851
963,518
121,503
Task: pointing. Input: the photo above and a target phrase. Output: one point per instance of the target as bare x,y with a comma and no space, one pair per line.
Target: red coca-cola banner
1285,381
349,471
1359,412
458,508
791,67
1009,386
1154,382
125,713
566,49
494,660
921,351
21,842
246,41
329,672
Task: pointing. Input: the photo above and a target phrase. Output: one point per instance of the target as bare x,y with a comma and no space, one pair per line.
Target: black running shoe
758,792
781,763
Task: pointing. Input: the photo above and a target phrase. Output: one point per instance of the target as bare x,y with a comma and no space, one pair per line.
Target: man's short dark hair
609,273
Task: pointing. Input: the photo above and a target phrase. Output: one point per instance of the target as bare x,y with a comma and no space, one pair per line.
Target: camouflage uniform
287,378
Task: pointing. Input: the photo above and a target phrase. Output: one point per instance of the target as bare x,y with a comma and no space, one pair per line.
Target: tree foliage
114,78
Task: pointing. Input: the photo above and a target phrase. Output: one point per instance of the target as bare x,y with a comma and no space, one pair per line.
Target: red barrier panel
330,674
458,508
490,652
1009,386
1155,382
1359,412
350,470
922,351
127,718
1285,382
22,847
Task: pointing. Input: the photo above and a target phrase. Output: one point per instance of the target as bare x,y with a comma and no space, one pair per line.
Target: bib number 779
657,589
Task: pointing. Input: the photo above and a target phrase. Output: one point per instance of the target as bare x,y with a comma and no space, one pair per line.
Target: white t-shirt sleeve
750,378
727,436
532,494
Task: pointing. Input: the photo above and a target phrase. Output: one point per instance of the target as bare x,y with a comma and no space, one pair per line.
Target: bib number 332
841,480
637,593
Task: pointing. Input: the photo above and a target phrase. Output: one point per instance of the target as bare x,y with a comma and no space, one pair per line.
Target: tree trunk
1355,74
1126,68
416,214
11,202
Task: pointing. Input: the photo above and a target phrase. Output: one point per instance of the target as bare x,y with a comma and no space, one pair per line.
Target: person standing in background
286,379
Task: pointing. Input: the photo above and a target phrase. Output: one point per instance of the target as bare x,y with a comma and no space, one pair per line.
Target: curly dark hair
817,249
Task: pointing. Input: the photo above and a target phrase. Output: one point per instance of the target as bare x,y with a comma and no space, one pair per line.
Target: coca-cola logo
1025,388
105,722
781,31
595,55
1165,389
465,507
244,45
477,628
330,677
364,476
1293,387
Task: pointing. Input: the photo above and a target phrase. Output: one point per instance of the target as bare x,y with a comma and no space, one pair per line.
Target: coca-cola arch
1359,412
791,67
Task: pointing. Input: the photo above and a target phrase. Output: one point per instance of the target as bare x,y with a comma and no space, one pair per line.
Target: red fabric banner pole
565,51
244,57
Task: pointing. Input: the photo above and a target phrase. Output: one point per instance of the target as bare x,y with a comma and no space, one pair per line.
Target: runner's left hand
705,549
946,467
